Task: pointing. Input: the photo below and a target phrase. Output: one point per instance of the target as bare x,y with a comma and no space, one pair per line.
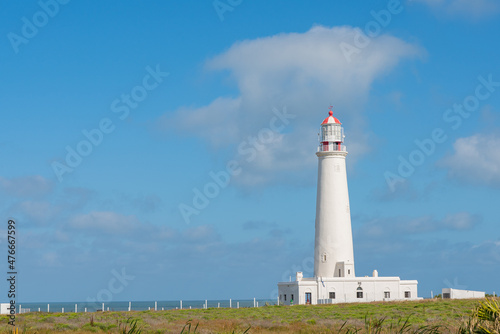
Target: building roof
330,119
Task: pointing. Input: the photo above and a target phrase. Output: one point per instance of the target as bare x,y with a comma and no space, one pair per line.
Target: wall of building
333,247
287,292
369,289
4,308
461,294
348,290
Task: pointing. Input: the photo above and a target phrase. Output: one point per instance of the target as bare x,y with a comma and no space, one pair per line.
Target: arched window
359,292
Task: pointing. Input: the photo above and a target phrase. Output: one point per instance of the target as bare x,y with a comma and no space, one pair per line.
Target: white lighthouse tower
333,250
334,279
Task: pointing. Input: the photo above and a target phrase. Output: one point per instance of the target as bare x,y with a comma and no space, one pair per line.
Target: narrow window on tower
348,271
332,295
387,294
407,294
285,296
340,273
323,257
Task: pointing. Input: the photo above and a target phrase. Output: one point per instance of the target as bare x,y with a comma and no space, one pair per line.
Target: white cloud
465,8
417,244
258,225
38,212
105,221
216,121
302,72
204,233
50,259
476,159
141,202
460,221
402,225
487,252
76,197
402,191
27,186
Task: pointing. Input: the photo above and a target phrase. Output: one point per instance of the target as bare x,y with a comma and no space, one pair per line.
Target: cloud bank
476,160
472,10
302,72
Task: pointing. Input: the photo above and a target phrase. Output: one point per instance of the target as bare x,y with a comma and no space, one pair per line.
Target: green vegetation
484,319
426,316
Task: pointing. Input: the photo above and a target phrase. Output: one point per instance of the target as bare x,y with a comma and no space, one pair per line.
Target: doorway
308,298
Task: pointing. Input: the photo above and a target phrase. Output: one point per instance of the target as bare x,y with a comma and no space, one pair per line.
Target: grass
427,316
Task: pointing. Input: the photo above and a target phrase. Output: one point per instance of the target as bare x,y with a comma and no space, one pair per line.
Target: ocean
136,305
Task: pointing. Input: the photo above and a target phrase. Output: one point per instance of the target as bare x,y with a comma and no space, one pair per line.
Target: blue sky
116,117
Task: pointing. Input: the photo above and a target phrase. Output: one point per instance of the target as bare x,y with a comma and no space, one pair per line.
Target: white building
334,278
4,308
448,293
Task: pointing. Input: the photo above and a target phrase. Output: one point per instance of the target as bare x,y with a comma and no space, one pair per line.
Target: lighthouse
333,249
334,279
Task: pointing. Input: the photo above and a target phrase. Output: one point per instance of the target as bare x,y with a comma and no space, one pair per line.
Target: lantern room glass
332,133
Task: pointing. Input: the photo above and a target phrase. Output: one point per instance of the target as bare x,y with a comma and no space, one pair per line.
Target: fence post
76,308
129,306
230,303
62,311
156,306
254,302
237,304
103,307
181,304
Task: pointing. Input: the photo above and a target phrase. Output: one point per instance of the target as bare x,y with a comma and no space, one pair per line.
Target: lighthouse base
332,290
